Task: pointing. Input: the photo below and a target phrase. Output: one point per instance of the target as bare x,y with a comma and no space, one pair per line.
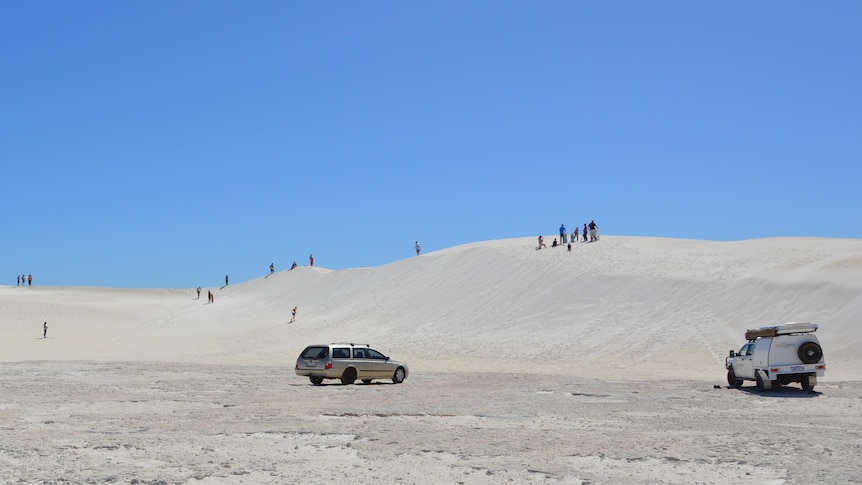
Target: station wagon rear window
315,353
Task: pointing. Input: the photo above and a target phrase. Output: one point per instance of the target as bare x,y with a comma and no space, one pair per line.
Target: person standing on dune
45,330
594,235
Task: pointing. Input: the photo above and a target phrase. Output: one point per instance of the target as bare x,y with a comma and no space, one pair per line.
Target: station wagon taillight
328,364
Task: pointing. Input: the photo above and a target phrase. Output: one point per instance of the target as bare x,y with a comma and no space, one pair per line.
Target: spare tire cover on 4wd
810,353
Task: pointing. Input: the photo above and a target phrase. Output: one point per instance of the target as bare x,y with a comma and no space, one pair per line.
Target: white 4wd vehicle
779,355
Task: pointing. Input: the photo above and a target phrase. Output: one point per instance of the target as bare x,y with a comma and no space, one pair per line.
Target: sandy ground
164,423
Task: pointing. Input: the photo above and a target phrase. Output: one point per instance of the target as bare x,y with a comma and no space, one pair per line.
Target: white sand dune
630,307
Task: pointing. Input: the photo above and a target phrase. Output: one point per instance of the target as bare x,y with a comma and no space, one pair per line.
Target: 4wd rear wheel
316,380
810,353
349,376
759,381
732,381
398,376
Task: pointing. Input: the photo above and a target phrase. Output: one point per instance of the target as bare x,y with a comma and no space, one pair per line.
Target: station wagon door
382,368
364,365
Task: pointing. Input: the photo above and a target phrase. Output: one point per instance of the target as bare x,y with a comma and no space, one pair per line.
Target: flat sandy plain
156,423
598,366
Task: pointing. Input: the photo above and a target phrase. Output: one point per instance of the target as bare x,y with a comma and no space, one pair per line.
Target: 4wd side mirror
732,353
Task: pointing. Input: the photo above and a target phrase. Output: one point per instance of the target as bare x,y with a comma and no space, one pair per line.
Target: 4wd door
743,366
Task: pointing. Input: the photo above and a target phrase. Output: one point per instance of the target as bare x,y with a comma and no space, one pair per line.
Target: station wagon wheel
349,376
316,380
398,376
732,381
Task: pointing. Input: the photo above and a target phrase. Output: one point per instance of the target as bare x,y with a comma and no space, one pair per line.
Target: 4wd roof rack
786,329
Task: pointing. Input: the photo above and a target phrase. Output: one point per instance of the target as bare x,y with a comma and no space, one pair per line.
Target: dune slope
622,307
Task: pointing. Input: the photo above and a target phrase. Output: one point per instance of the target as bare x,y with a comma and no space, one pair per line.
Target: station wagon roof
337,344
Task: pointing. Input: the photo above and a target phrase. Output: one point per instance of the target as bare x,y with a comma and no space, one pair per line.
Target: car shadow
336,383
783,392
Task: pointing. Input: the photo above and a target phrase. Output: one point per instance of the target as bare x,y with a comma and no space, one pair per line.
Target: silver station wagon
348,362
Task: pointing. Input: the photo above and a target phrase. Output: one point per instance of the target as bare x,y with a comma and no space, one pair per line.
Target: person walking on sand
225,280
575,235
585,233
293,265
29,280
45,330
541,242
271,268
293,315
311,259
418,248
562,234
199,292
17,280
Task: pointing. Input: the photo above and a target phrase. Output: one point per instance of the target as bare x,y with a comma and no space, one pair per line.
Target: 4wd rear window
340,353
315,352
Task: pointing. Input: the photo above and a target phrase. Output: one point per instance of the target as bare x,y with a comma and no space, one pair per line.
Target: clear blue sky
164,144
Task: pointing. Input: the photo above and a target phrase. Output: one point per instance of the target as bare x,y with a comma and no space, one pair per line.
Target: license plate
311,364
